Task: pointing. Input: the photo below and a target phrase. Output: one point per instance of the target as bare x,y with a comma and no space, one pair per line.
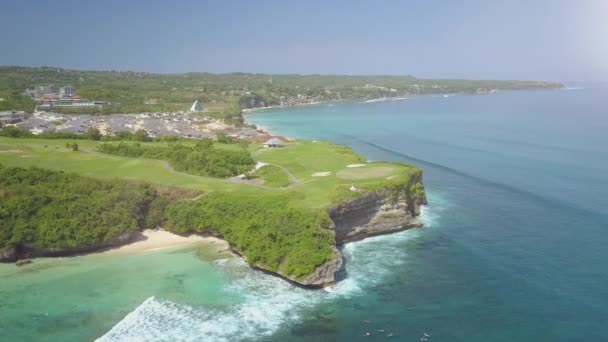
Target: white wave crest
265,303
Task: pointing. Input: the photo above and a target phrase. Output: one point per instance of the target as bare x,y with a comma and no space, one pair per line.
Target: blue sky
549,40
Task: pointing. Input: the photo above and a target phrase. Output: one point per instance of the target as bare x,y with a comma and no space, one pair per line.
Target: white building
11,117
67,91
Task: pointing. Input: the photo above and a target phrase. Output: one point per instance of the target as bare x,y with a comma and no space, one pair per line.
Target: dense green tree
266,229
15,132
93,134
201,159
49,209
124,135
142,135
244,144
225,139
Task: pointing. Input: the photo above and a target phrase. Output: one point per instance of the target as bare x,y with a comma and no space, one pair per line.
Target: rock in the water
22,262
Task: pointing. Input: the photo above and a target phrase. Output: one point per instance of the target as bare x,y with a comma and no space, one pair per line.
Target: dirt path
293,179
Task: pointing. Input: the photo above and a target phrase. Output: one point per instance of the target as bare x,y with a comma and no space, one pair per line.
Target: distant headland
221,95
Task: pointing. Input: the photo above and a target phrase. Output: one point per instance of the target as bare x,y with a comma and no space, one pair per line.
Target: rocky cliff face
379,212
15,252
323,275
382,211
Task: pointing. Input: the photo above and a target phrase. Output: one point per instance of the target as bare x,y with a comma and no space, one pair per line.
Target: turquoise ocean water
514,248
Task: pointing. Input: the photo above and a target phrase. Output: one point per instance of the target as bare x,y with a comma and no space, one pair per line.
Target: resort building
11,117
67,91
274,142
54,102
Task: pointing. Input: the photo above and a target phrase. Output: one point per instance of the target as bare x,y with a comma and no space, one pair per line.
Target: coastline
155,240
400,97
246,111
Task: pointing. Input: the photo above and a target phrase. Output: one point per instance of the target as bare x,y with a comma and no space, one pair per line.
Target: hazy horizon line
292,74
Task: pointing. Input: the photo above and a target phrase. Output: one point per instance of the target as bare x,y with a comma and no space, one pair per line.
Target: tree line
45,209
201,159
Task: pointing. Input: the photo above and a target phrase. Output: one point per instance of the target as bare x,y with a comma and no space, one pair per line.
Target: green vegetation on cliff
266,229
201,159
49,209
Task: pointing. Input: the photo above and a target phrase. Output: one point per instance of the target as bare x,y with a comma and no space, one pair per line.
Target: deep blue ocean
516,243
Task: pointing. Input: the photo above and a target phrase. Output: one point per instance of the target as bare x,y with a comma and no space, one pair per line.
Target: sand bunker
11,151
321,174
355,165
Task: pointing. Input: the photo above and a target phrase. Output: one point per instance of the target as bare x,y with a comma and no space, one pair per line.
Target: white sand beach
154,240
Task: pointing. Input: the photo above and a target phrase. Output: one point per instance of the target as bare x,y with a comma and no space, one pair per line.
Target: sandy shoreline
154,240
251,110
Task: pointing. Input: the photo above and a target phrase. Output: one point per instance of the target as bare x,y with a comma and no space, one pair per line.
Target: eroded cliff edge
381,211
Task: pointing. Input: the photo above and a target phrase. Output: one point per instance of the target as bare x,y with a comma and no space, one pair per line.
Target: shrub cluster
201,159
91,134
50,209
266,229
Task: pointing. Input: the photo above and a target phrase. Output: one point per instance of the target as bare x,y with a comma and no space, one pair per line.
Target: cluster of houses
177,124
11,117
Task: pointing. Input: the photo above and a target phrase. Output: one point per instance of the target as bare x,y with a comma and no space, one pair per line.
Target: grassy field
320,168
277,226
273,176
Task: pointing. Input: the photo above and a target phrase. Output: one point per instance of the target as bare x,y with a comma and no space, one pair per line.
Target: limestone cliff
382,211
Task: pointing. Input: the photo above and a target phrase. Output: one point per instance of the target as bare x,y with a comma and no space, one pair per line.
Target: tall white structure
197,107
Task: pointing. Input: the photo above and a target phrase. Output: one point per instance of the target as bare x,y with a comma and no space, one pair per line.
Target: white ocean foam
384,99
429,215
375,100
266,303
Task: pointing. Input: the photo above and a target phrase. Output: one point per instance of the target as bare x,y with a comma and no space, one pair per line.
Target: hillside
287,221
226,94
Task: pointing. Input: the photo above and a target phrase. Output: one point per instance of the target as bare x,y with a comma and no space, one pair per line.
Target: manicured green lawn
368,171
301,158
273,176
56,156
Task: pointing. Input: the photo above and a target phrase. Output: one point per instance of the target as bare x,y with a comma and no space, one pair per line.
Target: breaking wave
266,303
